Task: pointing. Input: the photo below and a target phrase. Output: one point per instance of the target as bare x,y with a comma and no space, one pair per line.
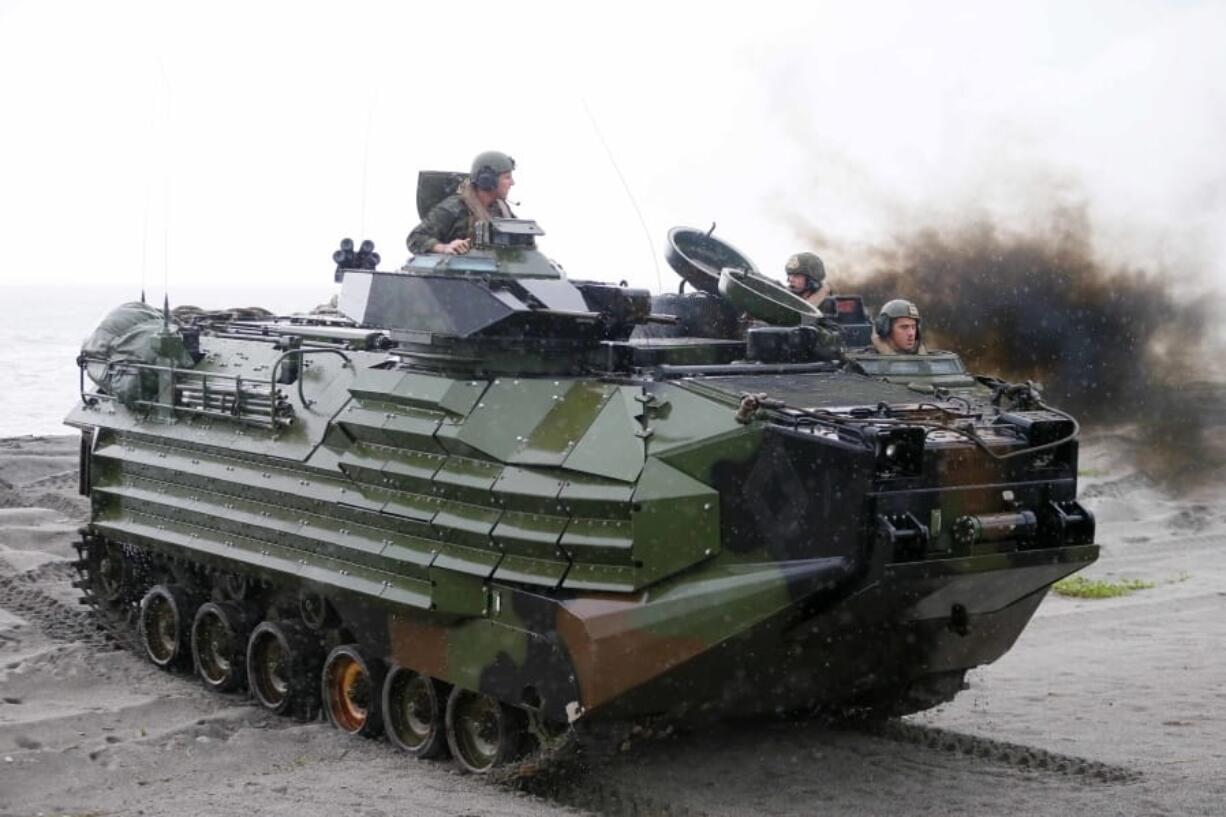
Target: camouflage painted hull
586,547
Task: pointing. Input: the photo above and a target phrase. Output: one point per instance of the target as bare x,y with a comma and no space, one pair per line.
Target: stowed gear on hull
521,518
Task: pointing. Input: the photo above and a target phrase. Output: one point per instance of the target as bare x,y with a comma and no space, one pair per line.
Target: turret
503,307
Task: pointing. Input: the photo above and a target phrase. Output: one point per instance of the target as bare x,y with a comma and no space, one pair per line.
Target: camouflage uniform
453,218
816,296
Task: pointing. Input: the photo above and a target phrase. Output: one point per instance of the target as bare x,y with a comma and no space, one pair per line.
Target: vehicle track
572,772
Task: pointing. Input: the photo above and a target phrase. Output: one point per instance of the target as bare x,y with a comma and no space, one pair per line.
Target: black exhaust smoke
1112,345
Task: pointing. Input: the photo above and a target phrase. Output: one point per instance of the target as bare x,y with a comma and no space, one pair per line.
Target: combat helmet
488,166
897,308
809,265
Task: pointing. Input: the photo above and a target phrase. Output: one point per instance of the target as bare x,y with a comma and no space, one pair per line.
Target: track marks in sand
1010,754
217,722
806,768
25,596
41,473
55,720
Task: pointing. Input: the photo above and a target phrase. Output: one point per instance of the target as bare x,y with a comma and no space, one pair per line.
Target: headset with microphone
485,177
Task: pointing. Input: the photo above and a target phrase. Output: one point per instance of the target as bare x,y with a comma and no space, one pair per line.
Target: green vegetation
1079,587
1091,472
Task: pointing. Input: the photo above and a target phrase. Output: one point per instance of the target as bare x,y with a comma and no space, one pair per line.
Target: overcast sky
233,144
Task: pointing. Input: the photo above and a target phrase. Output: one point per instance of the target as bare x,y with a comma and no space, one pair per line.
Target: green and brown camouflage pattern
611,542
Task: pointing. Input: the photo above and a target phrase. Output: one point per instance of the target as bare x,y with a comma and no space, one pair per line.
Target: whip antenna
144,244
166,191
651,247
370,124
166,238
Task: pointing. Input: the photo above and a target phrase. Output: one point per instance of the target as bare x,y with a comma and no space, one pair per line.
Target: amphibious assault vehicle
477,513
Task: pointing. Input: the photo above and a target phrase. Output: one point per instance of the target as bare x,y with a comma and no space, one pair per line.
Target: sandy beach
1108,706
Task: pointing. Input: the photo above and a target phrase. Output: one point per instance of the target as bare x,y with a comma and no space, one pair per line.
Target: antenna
166,183
144,237
370,125
166,236
144,243
651,248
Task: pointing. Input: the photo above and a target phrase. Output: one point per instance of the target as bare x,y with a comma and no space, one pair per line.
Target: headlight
900,451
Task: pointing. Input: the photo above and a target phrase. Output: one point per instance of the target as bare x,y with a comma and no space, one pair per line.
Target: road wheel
219,641
483,733
413,713
164,626
350,690
283,663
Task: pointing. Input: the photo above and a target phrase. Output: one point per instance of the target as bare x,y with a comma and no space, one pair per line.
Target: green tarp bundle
129,334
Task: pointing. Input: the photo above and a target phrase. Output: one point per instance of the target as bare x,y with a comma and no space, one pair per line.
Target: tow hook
959,619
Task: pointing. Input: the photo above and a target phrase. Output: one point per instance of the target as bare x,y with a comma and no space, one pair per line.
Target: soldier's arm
435,231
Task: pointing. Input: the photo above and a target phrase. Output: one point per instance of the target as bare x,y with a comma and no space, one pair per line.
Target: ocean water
43,327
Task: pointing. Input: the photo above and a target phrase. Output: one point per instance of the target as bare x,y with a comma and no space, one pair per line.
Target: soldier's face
505,182
797,282
902,334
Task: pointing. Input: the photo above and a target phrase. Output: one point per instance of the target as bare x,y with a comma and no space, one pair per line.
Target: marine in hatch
448,227
807,277
897,329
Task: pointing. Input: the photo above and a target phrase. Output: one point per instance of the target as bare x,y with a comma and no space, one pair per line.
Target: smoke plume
1112,345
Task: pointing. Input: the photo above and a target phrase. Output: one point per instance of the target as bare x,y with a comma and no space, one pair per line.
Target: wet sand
1114,706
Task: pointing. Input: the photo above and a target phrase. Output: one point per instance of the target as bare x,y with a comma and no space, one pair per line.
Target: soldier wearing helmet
897,329
807,277
448,227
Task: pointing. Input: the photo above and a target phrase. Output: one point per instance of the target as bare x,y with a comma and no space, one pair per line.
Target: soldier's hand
457,247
